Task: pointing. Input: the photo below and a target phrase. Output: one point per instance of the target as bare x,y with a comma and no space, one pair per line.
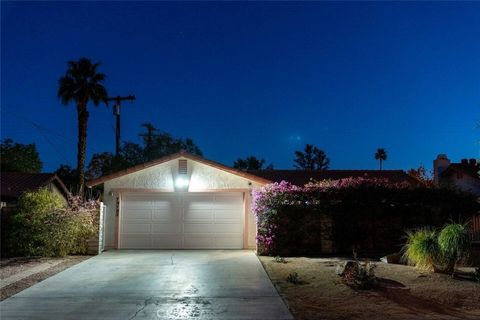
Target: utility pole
149,135
116,112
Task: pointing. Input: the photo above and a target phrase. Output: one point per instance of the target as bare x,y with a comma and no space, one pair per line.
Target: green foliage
438,251
370,216
45,226
454,241
69,177
312,158
17,157
131,154
422,249
251,163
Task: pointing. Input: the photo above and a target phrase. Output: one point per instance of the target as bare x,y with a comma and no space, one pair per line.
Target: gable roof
13,184
467,169
186,155
302,177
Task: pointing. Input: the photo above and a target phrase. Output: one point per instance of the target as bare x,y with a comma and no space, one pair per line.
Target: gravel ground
16,265
403,292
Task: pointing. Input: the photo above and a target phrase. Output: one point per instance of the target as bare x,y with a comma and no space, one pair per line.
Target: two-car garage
179,202
182,220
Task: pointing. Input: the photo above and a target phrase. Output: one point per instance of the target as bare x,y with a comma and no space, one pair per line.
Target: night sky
251,78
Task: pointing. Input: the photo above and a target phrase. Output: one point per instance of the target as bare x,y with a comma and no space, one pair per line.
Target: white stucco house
464,175
179,202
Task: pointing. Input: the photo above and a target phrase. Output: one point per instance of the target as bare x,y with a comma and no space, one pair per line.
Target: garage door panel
136,228
166,242
173,214
137,214
227,200
198,215
229,242
135,241
225,214
166,228
198,242
182,220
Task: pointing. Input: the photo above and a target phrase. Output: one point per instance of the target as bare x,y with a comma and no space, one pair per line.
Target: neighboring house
302,177
463,175
187,202
14,184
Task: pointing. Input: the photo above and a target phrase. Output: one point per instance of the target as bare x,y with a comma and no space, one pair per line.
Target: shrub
294,278
369,215
454,242
422,249
45,226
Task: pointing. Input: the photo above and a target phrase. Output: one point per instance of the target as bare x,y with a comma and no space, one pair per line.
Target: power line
39,127
40,130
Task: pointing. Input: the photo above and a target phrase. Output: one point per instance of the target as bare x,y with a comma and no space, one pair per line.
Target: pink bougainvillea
272,197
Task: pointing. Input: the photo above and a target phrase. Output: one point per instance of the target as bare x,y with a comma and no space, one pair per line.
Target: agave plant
422,249
454,243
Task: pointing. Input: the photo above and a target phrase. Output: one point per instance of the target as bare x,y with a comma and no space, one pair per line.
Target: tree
105,163
17,157
81,84
422,175
381,155
69,176
251,163
311,159
157,145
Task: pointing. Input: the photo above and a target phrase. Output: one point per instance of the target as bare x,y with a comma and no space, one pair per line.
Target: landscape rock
345,266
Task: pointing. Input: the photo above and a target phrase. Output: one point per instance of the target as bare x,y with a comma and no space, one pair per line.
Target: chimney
472,162
439,165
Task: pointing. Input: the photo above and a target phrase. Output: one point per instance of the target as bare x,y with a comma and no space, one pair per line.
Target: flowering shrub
45,226
367,214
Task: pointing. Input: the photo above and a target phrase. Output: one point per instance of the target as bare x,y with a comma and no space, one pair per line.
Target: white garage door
182,221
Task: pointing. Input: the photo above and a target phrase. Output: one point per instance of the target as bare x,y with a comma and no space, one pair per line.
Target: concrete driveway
213,284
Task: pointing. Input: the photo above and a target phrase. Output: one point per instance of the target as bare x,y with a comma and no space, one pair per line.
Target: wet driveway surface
210,284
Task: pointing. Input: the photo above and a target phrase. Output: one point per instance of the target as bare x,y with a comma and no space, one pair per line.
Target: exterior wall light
182,182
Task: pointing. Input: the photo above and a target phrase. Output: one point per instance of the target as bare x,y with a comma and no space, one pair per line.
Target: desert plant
454,243
422,249
293,278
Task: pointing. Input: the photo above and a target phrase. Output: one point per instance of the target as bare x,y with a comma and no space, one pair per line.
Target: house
179,202
463,175
186,202
302,177
14,184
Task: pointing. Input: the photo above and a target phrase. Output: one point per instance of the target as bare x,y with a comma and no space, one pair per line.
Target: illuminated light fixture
182,182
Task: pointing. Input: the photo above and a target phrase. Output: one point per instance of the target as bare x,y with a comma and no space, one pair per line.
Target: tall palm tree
82,84
381,155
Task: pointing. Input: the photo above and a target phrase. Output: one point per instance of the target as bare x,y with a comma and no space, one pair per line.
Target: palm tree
82,84
381,155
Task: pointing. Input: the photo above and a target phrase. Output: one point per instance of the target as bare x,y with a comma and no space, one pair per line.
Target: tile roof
470,170
13,184
301,177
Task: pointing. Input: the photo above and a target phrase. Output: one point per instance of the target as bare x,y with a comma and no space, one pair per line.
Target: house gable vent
182,167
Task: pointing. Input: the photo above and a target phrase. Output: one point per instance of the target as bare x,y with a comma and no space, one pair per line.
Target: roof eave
152,163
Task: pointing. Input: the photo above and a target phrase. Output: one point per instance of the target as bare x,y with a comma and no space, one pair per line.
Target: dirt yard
402,293
10,267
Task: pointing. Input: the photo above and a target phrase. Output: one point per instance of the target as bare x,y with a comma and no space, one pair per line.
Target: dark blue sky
253,78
